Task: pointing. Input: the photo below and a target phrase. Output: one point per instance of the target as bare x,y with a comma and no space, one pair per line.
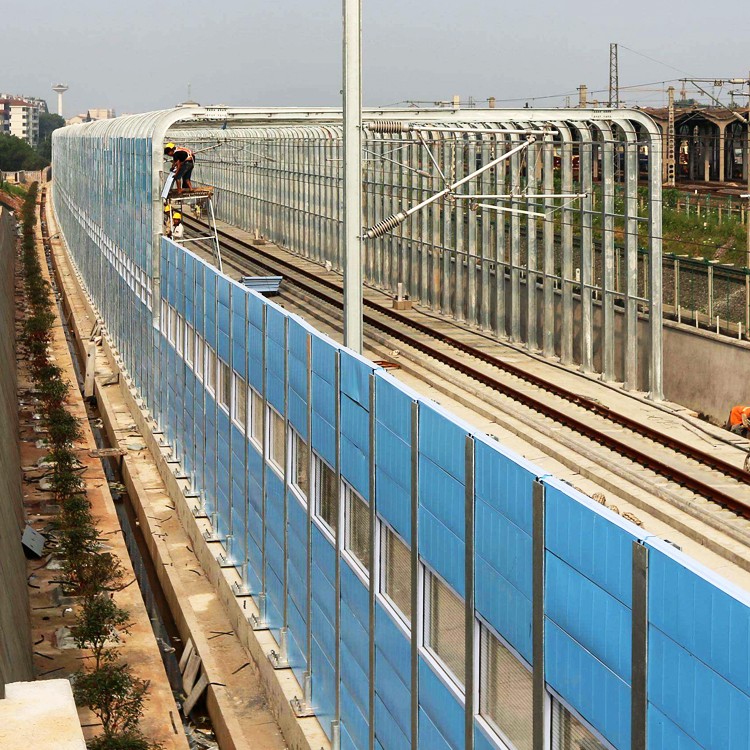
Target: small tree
98,623
127,741
100,571
116,697
64,428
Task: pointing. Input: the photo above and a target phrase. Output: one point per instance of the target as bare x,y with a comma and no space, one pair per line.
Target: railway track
402,327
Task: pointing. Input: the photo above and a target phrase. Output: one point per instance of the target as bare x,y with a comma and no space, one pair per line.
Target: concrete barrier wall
15,629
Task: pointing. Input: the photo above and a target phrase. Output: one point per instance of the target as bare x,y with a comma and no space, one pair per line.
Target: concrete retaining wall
15,641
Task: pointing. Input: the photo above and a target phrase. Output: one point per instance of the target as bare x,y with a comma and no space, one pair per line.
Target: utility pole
670,160
352,52
614,77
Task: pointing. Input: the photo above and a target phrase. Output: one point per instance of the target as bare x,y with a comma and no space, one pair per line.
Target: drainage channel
197,726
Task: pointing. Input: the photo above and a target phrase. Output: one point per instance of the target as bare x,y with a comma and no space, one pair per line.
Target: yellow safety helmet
176,215
169,145
167,209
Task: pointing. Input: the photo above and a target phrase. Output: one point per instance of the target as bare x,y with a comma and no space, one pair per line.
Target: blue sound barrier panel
389,734
297,639
323,687
441,523
504,483
393,478
297,516
323,399
323,630
354,654
209,309
662,734
255,358
355,680
353,722
275,357
355,467
179,274
239,325
442,441
590,539
430,737
355,377
393,503
324,560
394,694
689,607
297,411
393,645
704,705
324,440
347,743
504,546
324,357
597,693
297,376
442,550
589,615
275,320
254,566
504,607
274,592
223,316
254,507
393,403
275,375
298,335
255,305
189,289
441,706
200,294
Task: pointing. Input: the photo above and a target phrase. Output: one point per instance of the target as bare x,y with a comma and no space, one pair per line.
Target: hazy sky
137,55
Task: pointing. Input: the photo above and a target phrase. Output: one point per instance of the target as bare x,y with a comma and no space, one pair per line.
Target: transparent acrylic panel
445,634
358,528
396,575
569,733
505,692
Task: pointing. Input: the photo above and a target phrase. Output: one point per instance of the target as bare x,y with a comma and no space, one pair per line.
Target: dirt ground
55,655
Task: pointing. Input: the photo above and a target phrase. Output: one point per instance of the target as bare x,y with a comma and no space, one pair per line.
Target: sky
139,55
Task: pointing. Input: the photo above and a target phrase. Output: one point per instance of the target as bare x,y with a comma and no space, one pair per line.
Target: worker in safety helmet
167,222
183,161
739,420
178,228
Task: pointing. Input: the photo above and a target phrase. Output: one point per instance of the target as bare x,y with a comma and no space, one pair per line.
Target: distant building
90,115
37,101
20,117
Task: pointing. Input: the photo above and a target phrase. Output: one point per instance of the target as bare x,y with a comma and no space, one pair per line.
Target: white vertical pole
353,174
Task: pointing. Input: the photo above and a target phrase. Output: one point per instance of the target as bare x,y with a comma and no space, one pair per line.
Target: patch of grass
19,191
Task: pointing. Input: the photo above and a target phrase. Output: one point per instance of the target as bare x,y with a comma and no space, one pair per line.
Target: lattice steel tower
614,77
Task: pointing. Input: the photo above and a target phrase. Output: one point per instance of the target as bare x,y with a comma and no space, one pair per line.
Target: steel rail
640,457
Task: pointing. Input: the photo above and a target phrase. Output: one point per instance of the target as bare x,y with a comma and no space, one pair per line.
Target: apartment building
20,117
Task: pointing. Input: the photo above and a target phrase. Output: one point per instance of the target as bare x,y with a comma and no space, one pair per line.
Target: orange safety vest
190,154
735,416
